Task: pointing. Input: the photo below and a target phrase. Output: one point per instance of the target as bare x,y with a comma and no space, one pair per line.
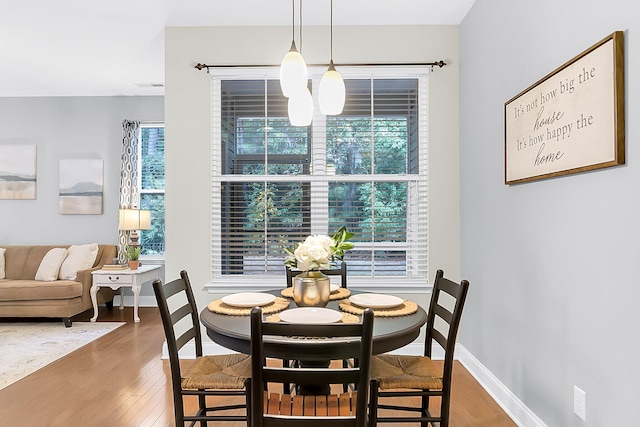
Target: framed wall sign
572,120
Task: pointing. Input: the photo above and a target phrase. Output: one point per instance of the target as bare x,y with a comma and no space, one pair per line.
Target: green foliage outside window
152,176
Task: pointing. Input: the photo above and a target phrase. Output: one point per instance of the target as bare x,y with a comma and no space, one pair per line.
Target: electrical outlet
580,403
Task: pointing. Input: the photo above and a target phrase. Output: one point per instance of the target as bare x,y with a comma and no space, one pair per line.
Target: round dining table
234,333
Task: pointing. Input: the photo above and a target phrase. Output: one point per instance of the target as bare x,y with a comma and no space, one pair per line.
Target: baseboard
509,402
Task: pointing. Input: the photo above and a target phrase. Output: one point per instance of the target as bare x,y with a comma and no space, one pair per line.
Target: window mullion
319,187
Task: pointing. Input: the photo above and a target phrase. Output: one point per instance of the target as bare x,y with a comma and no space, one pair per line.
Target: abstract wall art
80,187
17,172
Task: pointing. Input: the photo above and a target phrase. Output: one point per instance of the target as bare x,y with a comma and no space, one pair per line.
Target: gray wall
553,264
68,127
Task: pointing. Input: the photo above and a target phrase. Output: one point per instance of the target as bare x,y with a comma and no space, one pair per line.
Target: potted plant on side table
133,252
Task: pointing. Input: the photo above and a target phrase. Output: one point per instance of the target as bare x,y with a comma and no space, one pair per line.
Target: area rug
27,347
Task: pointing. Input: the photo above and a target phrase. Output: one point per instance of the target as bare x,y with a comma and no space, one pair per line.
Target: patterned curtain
129,195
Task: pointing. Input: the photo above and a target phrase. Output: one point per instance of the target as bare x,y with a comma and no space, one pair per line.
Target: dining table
234,333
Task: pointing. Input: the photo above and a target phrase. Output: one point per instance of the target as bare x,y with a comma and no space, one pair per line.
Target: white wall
68,127
188,124
553,264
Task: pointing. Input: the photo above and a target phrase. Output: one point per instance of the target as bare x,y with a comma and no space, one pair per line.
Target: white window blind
366,169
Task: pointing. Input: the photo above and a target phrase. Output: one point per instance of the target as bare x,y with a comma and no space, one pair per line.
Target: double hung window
274,184
151,185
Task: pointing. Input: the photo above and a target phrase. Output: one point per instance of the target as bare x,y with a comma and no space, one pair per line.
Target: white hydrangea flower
314,253
318,251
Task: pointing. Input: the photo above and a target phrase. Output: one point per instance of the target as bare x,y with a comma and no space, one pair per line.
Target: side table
117,279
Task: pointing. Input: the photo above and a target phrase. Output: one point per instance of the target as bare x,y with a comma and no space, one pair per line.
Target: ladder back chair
389,373
272,409
220,375
339,271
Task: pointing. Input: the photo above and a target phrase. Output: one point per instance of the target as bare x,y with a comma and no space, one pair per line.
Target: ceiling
116,47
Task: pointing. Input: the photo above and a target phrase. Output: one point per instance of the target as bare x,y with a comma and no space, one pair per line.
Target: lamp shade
134,219
293,72
331,93
300,108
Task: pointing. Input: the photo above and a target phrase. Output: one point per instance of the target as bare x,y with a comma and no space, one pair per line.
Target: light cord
331,38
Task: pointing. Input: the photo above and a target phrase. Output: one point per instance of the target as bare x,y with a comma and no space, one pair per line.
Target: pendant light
293,69
331,91
300,108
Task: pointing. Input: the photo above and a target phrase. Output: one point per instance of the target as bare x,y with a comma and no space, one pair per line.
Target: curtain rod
438,64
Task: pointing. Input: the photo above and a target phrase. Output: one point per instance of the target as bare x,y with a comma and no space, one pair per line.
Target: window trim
236,283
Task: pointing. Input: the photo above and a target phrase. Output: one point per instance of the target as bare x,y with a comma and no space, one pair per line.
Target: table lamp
133,220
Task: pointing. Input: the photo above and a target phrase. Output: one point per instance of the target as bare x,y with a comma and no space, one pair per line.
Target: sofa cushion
50,265
2,273
25,290
79,257
22,262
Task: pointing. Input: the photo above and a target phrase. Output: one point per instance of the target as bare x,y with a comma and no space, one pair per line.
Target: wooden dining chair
418,374
220,375
270,408
338,271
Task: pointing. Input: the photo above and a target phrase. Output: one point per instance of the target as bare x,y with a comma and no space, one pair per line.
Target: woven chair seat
399,371
227,371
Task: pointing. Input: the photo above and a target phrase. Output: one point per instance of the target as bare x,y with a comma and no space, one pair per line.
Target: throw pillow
2,271
50,264
79,257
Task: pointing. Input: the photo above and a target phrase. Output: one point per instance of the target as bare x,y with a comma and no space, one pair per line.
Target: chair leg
373,403
445,408
178,410
202,403
425,411
247,397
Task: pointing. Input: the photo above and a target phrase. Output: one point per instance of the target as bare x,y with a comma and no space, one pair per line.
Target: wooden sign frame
571,120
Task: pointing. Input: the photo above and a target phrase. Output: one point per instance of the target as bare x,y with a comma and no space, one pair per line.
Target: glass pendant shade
300,108
293,72
331,92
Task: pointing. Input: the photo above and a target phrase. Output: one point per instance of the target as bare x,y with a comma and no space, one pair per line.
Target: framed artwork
571,120
17,172
80,187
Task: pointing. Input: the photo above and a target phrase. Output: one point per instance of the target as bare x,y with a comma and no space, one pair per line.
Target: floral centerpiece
311,287
318,251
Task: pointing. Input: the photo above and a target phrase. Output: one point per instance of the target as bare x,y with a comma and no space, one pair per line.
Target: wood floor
119,380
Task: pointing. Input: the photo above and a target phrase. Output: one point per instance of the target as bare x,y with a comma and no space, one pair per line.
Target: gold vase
311,289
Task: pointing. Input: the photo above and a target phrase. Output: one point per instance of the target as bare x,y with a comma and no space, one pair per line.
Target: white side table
117,279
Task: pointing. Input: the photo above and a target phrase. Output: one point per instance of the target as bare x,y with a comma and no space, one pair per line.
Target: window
274,184
151,184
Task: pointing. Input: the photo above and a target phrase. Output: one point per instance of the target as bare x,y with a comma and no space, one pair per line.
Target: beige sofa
23,296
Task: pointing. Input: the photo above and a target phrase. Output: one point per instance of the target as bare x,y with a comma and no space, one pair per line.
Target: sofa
21,295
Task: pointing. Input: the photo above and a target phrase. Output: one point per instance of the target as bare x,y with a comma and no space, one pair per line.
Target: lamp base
134,238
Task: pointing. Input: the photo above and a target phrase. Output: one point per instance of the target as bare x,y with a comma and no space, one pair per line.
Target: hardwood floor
119,380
